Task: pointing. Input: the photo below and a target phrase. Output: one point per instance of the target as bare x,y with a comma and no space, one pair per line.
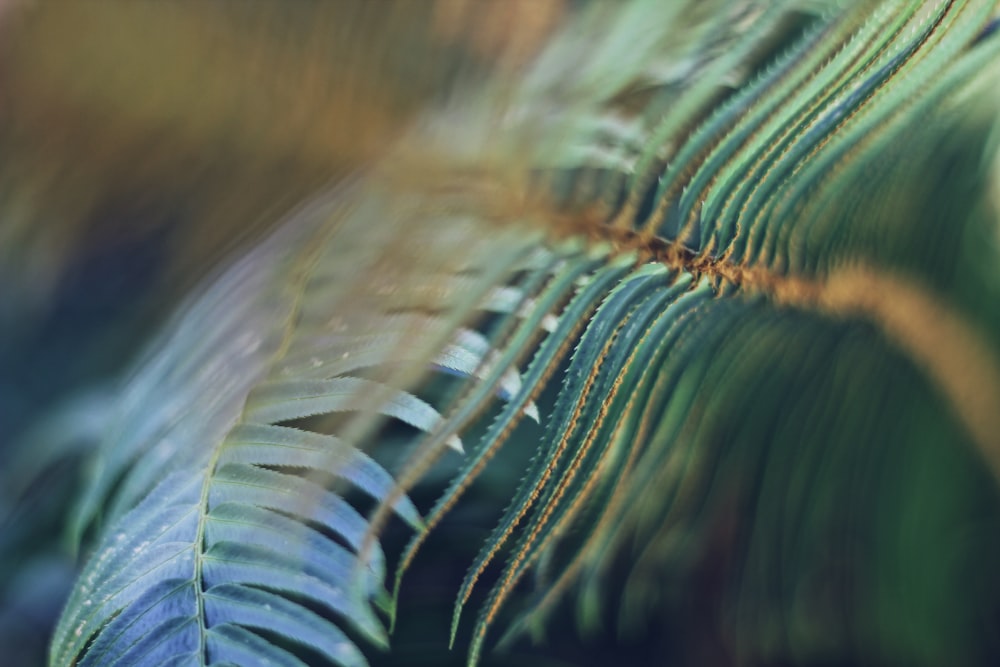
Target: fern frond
685,239
242,513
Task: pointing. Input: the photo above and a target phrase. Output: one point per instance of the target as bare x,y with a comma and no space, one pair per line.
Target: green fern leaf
738,261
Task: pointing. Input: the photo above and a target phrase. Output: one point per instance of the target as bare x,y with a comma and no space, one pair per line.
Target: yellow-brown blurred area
208,120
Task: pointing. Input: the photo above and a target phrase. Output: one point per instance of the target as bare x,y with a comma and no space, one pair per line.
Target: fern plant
733,259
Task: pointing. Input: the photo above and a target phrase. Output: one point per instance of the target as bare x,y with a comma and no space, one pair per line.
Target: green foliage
739,264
